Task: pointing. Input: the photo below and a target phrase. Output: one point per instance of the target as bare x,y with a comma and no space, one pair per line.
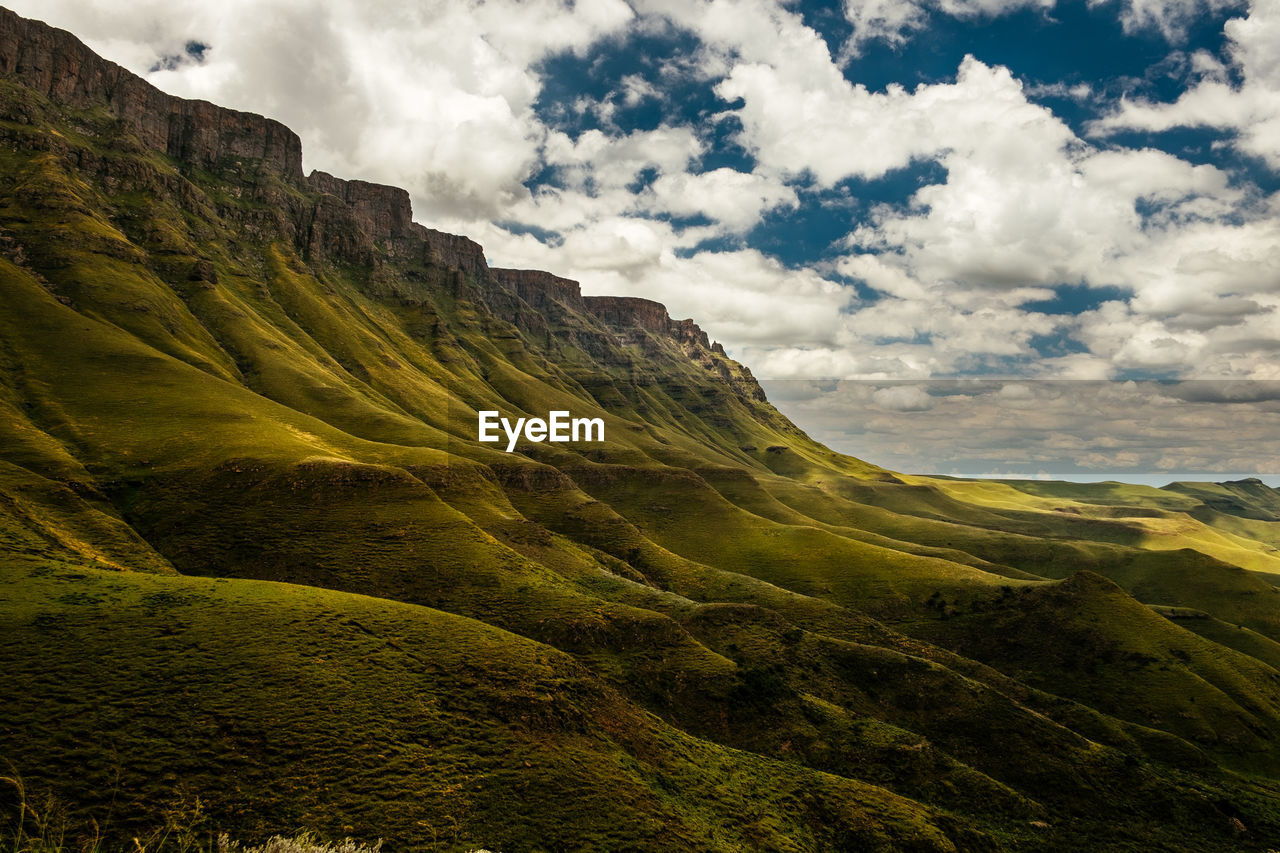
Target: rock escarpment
383,212
633,312
351,219
540,289
59,66
326,217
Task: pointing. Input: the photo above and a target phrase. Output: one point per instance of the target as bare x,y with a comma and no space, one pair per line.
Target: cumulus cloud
896,21
598,173
1251,110
1025,205
902,398
1170,18
734,199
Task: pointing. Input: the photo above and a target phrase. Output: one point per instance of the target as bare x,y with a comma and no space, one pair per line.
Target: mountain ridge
204,135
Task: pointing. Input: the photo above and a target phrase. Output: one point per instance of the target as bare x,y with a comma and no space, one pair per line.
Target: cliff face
632,312
59,66
381,211
351,220
540,288
333,220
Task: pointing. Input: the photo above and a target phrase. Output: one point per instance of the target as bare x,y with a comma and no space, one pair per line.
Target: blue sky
879,190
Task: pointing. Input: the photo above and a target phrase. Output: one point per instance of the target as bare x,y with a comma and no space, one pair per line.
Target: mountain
258,574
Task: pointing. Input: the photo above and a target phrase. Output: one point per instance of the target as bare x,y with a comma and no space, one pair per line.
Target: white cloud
1025,205
1251,110
735,199
1133,341
902,398
636,89
1171,18
600,164
896,21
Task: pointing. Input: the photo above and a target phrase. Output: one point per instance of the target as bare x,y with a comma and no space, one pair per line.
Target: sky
854,198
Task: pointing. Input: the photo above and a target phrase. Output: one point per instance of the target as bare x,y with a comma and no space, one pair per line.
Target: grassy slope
285,706
291,419
1126,660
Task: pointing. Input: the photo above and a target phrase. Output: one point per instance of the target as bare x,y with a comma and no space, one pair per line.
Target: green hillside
253,553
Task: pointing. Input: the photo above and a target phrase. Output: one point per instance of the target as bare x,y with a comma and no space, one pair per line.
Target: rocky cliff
540,289
349,220
626,313
59,66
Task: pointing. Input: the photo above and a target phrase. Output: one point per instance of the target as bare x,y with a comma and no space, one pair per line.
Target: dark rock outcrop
59,66
382,211
624,313
452,250
539,288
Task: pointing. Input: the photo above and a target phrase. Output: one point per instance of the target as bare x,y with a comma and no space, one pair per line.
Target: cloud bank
1047,429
